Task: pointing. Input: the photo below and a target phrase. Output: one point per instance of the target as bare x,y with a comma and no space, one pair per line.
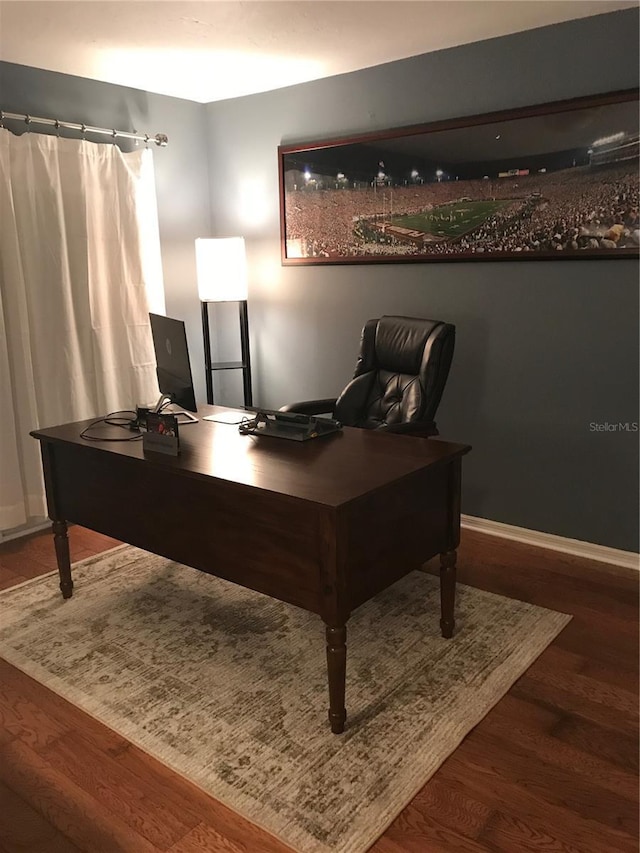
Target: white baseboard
588,550
18,532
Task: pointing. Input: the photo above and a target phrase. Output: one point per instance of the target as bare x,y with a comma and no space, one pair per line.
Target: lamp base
244,365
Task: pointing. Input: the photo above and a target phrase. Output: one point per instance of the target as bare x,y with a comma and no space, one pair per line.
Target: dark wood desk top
331,470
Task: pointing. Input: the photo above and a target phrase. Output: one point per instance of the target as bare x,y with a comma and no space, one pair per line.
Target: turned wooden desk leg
447,592
61,541
337,670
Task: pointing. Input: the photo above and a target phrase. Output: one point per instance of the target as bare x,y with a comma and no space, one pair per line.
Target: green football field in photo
451,220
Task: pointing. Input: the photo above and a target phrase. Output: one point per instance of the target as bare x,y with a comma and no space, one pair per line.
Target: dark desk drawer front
260,540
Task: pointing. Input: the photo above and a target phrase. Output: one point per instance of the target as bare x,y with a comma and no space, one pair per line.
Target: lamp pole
208,367
246,357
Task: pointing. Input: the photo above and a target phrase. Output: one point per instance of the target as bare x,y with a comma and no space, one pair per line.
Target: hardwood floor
553,767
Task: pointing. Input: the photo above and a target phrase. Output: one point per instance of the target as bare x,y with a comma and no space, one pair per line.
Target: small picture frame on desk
162,434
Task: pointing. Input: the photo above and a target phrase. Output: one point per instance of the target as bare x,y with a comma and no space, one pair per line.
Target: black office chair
399,378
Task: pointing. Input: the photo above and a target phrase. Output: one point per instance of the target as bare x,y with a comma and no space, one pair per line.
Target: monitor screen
172,360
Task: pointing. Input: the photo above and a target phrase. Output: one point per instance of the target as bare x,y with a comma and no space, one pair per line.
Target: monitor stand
164,401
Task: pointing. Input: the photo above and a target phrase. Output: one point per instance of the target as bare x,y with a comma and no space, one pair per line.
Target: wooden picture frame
553,181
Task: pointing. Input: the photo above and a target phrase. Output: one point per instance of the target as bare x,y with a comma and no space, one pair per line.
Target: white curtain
79,271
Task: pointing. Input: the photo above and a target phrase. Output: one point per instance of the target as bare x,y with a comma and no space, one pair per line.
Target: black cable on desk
116,419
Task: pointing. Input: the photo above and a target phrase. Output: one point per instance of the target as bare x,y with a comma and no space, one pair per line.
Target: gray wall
181,169
543,349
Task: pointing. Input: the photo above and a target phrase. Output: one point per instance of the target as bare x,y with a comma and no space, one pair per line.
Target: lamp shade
221,264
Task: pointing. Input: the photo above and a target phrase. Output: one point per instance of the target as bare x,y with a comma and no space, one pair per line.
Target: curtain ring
1,118
27,121
83,131
56,124
146,140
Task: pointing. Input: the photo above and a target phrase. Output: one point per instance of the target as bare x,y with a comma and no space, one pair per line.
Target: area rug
228,687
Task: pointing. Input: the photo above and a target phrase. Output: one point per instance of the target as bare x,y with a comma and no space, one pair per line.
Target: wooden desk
322,524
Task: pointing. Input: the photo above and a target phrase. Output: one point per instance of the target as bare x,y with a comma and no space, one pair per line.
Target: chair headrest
400,343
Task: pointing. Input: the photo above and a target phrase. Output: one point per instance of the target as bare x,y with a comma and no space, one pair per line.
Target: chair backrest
400,374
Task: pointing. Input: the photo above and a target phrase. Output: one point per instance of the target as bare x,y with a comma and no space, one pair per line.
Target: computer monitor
172,365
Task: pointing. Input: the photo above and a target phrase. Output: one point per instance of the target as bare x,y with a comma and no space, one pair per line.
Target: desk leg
337,670
447,592
61,541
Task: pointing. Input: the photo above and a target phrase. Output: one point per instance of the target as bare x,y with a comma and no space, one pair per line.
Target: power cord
116,419
243,420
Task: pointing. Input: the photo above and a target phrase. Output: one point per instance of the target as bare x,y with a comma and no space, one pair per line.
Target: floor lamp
222,277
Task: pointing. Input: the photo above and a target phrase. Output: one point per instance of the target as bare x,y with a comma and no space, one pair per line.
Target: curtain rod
160,139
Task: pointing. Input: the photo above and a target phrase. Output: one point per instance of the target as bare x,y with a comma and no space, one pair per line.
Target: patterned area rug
229,688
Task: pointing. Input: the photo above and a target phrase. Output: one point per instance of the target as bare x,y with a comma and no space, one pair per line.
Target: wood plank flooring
553,767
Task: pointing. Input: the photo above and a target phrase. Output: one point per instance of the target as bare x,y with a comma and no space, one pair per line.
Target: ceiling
209,51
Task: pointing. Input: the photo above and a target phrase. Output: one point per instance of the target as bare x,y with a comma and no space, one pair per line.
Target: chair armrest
423,429
311,407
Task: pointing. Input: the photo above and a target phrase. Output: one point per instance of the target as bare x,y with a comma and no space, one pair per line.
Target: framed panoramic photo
553,181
